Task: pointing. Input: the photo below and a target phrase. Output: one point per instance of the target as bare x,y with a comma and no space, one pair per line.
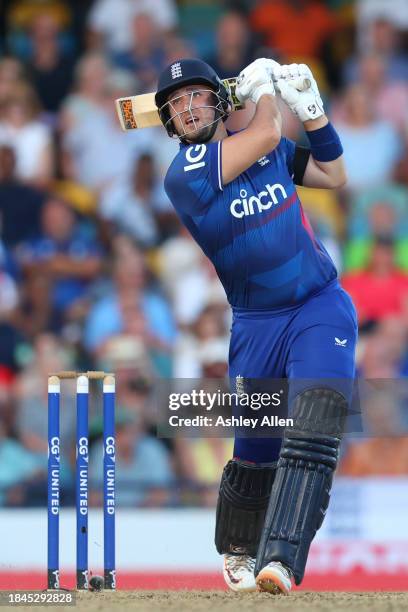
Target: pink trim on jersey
306,224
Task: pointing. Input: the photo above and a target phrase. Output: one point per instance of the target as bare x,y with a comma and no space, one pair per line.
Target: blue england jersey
253,229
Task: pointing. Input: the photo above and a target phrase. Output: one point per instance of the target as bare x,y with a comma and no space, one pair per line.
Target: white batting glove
303,100
271,66
253,82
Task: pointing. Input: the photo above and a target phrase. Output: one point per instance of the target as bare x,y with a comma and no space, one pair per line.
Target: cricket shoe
275,578
239,573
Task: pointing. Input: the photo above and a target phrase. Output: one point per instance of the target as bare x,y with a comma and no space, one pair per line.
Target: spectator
367,163
380,211
130,290
20,204
185,271
96,151
110,21
146,57
51,70
69,260
381,289
21,128
389,97
283,26
130,207
127,356
11,343
177,48
11,75
17,467
385,454
205,344
199,462
8,287
394,10
48,354
144,473
380,35
22,12
234,45
34,314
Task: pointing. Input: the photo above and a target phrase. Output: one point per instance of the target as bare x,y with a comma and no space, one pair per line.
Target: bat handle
300,83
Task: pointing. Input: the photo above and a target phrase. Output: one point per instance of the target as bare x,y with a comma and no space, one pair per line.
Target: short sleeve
194,178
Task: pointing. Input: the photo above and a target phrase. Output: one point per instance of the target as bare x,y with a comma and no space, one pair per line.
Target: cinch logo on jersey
243,206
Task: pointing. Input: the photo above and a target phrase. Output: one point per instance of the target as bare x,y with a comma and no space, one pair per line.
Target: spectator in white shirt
110,21
22,129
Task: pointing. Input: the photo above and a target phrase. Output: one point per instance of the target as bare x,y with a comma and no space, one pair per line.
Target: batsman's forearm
267,117
335,171
315,124
327,152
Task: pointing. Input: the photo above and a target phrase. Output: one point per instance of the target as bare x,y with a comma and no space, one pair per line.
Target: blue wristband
325,143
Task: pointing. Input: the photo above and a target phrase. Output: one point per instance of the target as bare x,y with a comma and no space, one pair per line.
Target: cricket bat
136,112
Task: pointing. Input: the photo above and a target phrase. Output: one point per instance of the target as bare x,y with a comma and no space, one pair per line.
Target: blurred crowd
96,272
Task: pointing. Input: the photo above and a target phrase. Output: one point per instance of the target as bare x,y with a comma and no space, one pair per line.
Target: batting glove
299,90
253,82
271,66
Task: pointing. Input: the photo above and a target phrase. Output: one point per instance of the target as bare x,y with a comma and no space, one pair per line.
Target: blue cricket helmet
186,72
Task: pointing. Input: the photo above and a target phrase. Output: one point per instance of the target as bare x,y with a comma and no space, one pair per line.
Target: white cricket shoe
239,573
275,578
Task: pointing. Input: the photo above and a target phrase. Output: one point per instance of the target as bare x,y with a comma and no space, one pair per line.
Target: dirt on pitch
217,601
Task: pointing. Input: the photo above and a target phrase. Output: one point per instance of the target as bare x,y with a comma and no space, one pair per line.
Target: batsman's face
192,110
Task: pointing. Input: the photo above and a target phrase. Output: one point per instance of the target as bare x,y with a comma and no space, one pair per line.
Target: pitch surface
218,601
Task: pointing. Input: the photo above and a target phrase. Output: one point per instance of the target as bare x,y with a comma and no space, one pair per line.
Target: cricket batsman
236,194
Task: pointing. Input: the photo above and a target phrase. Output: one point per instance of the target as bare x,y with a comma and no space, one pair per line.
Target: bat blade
140,111
137,112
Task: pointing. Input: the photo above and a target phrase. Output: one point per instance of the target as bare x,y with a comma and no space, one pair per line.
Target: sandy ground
195,601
